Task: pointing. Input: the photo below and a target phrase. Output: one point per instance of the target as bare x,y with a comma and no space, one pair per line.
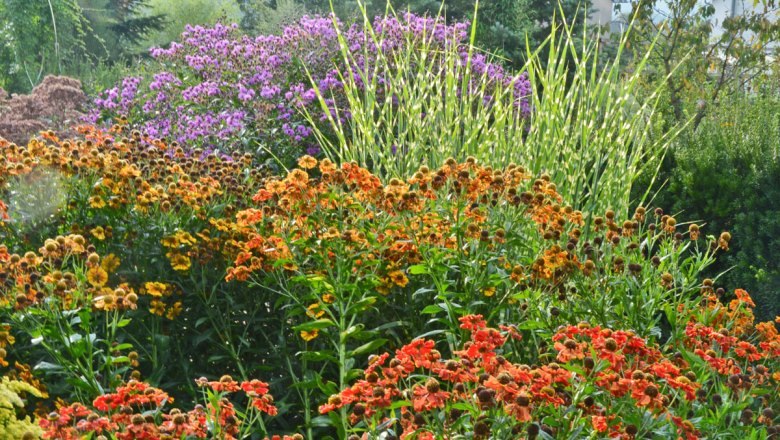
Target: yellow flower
174,310
185,238
489,291
307,162
156,289
110,263
97,276
180,238
308,336
179,262
157,307
97,202
5,337
98,233
398,278
314,311
169,242
328,298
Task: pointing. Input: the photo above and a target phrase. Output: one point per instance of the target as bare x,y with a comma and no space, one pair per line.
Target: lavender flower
218,89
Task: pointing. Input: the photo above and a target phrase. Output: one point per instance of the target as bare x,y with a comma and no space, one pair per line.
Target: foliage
588,127
54,104
740,139
41,37
155,248
119,26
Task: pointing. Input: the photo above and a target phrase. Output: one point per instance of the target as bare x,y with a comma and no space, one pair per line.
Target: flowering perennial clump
527,317
217,88
135,411
595,379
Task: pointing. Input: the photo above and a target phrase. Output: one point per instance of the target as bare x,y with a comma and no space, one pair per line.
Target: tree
43,36
119,26
269,16
67,36
698,61
502,25
183,12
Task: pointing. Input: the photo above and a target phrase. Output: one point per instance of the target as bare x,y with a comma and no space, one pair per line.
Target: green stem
342,348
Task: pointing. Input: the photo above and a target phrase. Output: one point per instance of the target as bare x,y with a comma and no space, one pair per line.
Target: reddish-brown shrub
54,104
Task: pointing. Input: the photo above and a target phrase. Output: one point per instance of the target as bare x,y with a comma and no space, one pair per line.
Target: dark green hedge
727,173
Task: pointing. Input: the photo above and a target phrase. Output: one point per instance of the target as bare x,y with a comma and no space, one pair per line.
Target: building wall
602,12
621,12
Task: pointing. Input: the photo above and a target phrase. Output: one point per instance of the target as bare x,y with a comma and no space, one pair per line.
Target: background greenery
726,173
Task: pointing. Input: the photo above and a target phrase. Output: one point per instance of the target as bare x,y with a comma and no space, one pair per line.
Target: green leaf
432,309
352,331
317,356
368,347
321,422
399,404
530,325
419,269
47,366
314,325
123,323
363,304
119,360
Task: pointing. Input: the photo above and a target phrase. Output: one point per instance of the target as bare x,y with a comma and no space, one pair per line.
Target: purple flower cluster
217,88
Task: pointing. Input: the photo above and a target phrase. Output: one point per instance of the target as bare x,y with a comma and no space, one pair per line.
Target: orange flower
5,336
314,311
429,396
4,211
307,162
744,297
599,423
225,384
569,349
157,307
97,202
174,310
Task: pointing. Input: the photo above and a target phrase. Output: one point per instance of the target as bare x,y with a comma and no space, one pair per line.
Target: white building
621,11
